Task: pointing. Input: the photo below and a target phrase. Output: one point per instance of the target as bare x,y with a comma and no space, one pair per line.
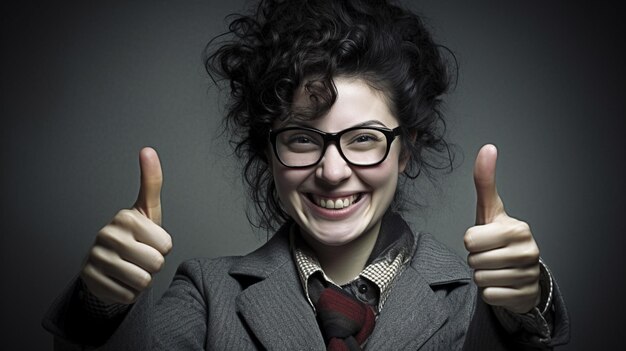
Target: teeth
336,204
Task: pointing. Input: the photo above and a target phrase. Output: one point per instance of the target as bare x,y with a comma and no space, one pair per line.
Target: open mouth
335,203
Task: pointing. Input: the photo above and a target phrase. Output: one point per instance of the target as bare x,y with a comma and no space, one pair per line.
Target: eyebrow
371,122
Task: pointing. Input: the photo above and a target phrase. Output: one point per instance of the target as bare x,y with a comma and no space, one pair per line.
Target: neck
344,263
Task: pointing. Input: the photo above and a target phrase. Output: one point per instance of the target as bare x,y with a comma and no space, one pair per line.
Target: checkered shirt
382,271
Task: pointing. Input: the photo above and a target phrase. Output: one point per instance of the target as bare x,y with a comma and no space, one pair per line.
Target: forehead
357,102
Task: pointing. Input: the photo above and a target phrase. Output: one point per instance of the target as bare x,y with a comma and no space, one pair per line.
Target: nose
333,169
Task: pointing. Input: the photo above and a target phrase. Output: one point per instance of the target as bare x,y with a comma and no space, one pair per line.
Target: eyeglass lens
301,147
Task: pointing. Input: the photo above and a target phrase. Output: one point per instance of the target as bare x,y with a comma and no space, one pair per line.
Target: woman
332,103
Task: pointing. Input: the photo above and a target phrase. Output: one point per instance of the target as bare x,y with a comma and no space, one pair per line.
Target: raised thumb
149,198
488,202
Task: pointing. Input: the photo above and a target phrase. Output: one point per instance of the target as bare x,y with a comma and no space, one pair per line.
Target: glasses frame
390,134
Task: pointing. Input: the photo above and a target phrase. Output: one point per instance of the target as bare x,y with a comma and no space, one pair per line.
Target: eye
365,138
299,139
362,140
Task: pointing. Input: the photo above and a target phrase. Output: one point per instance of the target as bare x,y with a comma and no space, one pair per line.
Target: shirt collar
391,253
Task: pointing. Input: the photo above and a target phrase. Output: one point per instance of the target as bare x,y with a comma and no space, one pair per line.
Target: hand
131,248
502,251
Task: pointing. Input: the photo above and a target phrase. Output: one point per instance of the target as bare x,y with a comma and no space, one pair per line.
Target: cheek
388,171
287,181
383,177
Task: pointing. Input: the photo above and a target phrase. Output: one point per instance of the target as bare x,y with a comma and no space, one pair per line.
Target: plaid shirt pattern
381,271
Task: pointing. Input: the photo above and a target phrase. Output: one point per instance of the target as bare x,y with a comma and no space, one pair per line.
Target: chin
335,233
335,239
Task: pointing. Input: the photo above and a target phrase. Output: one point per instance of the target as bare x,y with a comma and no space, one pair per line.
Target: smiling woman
331,103
368,190
314,196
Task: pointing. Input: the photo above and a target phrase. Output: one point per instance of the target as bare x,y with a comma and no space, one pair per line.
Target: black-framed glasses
300,147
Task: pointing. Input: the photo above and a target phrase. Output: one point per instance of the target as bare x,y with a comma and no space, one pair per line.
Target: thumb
488,202
149,199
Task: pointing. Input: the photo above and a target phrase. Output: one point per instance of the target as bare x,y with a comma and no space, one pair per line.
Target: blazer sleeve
180,317
178,321
487,333
199,309
73,328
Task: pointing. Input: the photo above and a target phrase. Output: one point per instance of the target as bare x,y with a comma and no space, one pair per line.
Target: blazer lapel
412,311
274,307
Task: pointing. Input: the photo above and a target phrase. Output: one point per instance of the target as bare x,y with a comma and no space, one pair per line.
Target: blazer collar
264,261
413,309
277,312
273,305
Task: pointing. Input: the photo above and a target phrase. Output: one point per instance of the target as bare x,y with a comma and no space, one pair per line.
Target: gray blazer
256,302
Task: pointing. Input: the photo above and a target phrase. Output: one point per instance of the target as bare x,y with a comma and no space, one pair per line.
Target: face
365,193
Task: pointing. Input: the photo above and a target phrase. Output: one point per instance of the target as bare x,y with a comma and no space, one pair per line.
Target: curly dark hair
285,44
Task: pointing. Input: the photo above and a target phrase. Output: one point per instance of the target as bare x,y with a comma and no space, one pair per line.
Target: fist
502,250
130,249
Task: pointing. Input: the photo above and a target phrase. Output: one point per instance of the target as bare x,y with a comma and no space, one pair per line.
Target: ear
405,156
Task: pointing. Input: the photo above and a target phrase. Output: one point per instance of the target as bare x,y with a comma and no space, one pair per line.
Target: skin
502,250
130,249
342,244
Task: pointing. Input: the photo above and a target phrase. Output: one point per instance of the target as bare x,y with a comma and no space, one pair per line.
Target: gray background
85,85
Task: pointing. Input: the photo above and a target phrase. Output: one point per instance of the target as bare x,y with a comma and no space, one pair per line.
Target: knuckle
97,254
488,297
110,237
127,298
125,217
479,278
534,272
471,260
145,280
467,239
534,290
158,262
521,230
167,244
88,272
104,234
530,255
527,292
526,276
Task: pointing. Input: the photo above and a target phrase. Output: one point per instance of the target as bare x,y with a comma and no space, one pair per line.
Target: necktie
345,322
